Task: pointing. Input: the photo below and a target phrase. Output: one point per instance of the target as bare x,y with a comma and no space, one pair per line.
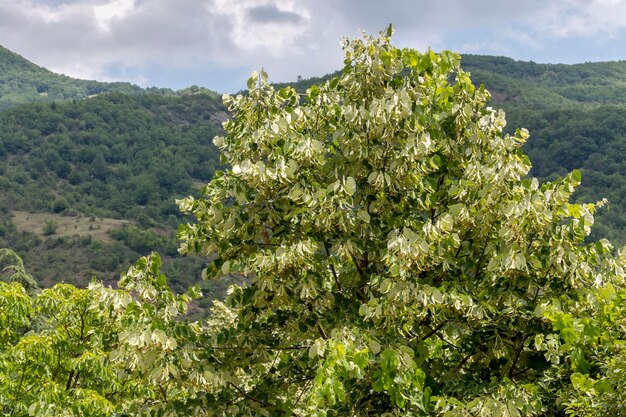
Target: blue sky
218,43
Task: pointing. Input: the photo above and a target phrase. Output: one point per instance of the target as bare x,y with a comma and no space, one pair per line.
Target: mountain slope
88,186
21,82
549,85
88,180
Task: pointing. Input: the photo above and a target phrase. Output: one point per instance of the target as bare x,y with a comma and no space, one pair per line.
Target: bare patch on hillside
80,225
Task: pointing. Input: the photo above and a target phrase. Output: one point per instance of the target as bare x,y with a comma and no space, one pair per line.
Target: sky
218,43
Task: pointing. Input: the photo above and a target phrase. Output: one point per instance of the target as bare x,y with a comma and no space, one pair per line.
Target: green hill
546,86
21,82
89,172
88,186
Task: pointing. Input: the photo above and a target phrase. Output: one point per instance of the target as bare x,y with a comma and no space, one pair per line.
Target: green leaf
576,176
350,186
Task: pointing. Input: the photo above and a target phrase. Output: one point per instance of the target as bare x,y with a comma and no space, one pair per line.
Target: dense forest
88,184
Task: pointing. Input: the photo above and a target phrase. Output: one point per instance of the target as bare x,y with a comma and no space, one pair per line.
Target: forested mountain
88,186
549,85
89,171
108,155
21,81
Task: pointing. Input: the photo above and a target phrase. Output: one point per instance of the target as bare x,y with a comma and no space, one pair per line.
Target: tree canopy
400,263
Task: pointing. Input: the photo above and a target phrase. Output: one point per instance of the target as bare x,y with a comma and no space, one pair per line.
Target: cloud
582,18
271,14
83,38
117,9
117,39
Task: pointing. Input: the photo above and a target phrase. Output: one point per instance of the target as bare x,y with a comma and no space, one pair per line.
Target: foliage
576,114
400,264
400,261
50,228
13,266
22,82
74,352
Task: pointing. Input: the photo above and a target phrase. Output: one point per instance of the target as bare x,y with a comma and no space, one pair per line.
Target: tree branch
517,356
465,359
433,331
331,266
321,329
356,263
163,392
304,389
68,385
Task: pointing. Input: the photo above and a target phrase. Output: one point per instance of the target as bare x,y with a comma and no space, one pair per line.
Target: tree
92,352
50,227
400,262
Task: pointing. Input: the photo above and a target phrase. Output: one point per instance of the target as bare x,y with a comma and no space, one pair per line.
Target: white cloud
117,9
278,31
89,38
582,18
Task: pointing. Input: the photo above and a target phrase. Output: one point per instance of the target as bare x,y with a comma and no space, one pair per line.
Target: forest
397,245
22,82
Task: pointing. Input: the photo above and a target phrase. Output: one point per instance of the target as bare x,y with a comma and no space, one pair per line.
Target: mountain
89,172
21,82
88,186
549,86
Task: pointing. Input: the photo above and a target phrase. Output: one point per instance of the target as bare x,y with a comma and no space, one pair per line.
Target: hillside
548,86
89,172
89,186
21,82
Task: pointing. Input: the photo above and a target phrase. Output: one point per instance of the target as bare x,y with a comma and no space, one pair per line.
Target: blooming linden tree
400,261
